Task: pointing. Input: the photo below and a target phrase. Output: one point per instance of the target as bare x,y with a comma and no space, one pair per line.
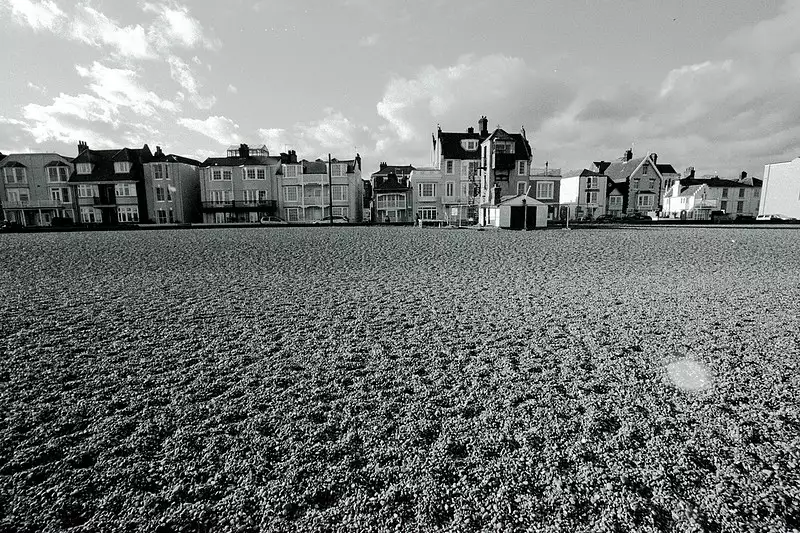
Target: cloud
69,118
35,87
232,89
504,88
96,29
369,40
44,15
334,133
120,88
182,73
176,27
221,129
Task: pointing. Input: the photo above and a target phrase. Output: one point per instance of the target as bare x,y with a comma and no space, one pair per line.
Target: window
651,184
162,216
591,198
645,200
485,150
545,190
448,166
522,168
262,196
291,171
161,172
261,173
427,213
128,213
723,205
60,194
391,201
724,193
465,190
645,169
521,186
251,197
635,183
469,144
592,182
249,174
90,215
57,174
220,197
756,193
226,175
340,211
503,147
122,167
468,168
291,193
739,206
292,214
339,193
615,201
87,191
338,170
427,190
15,175
216,174
84,168
125,189
741,193
160,194
449,188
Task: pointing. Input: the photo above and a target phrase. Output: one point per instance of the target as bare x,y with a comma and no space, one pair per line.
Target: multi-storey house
457,156
392,199
172,188
781,189
312,190
35,189
695,198
108,185
643,178
239,188
505,160
545,186
583,194
428,202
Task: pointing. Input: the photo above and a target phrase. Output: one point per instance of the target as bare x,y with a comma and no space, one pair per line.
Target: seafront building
35,189
638,182
693,198
109,184
505,160
585,194
545,187
781,189
172,189
428,202
392,194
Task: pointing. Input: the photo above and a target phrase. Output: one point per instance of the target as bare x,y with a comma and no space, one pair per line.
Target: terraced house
308,193
109,184
172,188
239,188
35,189
545,186
392,194
585,194
695,198
505,160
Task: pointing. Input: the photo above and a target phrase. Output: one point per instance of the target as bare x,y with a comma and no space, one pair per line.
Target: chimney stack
654,157
244,151
383,165
744,175
689,172
628,155
483,125
159,153
82,147
470,130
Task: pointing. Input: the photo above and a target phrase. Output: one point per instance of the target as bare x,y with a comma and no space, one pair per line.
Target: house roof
451,145
621,170
397,169
56,163
720,182
666,169
172,158
11,164
689,191
518,200
103,164
239,161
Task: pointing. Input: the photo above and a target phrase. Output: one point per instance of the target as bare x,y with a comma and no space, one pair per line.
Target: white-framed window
90,215
161,172
161,214
122,167
645,200
249,173
125,189
60,194
313,193
448,166
261,173
128,213
635,183
226,174
449,189
262,196
427,213
391,201
87,191
84,168
292,214
57,174
291,171
740,206
338,170
426,190
341,212
216,174
339,193
160,196
741,193
291,193
469,144
220,197
645,169
592,182
251,196
615,201
468,168
591,197
17,195
521,186
724,205
15,175
504,147
522,168
651,183
545,190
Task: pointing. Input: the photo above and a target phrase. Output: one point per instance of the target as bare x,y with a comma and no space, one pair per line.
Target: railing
240,205
391,205
706,203
545,172
40,204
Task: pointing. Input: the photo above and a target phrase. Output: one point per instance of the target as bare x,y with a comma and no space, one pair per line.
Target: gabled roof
451,145
522,148
401,169
690,191
56,163
11,164
103,164
621,170
621,187
518,200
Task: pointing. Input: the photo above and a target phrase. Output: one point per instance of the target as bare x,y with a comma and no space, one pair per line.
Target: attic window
122,167
645,168
503,147
290,171
84,168
338,171
469,144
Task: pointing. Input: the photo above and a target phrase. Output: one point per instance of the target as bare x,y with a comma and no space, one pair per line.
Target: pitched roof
719,182
451,145
172,158
56,163
239,161
518,199
621,170
384,171
103,164
689,191
666,169
11,164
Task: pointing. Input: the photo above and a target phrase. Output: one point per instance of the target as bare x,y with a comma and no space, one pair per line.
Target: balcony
237,206
504,161
35,204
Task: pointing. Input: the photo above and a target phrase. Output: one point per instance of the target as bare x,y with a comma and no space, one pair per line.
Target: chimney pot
244,151
470,130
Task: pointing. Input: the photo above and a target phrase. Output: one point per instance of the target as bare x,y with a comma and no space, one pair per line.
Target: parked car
8,225
271,221
337,219
637,216
606,218
775,217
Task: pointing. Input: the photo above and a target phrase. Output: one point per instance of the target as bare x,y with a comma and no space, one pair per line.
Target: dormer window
338,171
469,145
84,168
57,174
122,167
503,147
291,171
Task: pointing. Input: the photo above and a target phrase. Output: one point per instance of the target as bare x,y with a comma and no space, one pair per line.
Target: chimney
244,151
293,156
628,155
744,175
82,147
358,160
159,153
654,157
483,125
470,130
383,165
689,172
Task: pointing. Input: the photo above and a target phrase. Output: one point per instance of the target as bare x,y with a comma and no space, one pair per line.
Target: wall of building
781,190
40,208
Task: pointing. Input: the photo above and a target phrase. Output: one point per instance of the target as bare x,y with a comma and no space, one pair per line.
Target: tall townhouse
428,201
545,186
584,194
311,190
108,185
457,156
238,188
391,187
35,189
639,182
505,160
172,189
781,189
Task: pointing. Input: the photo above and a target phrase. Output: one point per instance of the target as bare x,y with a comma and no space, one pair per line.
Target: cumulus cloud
334,133
121,88
70,117
44,15
221,129
175,26
182,73
96,29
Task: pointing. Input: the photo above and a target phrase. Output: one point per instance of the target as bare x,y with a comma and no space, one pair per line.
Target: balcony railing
241,205
35,204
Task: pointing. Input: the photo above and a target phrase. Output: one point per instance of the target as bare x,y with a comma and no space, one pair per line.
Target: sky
712,85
